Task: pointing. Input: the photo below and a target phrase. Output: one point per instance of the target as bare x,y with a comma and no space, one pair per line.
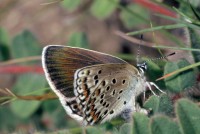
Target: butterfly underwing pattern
92,87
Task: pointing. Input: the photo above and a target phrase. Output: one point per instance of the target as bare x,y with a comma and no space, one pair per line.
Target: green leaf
160,104
26,84
185,4
173,26
181,81
195,41
25,44
195,12
152,104
140,124
189,116
115,131
78,39
107,126
130,20
163,125
4,45
8,119
165,105
71,5
51,105
155,71
178,48
195,3
94,130
125,129
55,112
103,8
185,8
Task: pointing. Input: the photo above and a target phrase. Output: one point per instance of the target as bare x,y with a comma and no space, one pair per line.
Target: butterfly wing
60,64
105,90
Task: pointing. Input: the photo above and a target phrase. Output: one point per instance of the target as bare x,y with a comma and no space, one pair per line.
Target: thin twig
134,40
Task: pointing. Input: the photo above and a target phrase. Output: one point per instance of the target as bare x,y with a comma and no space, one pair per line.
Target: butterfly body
93,87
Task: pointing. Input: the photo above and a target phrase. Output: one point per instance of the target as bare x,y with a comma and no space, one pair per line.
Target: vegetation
30,105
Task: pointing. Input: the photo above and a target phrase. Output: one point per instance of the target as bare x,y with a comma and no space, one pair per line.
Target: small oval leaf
125,129
4,45
152,103
71,5
94,130
25,44
103,8
160,104
135,17
189,116
181,81
140,124
163,125
26,84
78,39
195,41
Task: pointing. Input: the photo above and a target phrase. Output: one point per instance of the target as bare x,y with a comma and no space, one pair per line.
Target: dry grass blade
179,71
52,2
9,96
46,96
7,92
134,40
11,93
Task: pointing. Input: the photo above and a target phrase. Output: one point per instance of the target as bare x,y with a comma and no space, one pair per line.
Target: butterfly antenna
138,51
162,57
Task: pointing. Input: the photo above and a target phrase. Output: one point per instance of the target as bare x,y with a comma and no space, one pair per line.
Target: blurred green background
101,25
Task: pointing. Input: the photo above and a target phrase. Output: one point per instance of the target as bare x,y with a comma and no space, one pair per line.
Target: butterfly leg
144,96
149,86
153,84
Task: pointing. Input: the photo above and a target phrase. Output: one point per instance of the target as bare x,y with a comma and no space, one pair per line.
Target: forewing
103,91
60,64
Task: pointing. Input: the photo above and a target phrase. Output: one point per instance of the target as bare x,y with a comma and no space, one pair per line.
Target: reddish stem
18,69
156,8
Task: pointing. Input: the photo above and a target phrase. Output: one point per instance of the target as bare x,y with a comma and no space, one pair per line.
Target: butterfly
93,87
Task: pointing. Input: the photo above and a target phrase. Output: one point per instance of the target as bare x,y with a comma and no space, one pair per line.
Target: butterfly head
142,66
